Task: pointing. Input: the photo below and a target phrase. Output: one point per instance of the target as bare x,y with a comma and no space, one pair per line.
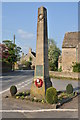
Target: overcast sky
21,19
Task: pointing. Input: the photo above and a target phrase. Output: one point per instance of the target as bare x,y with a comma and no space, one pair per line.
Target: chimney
30,50
22,54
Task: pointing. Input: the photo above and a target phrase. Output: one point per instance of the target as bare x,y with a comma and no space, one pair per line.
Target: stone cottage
70,51
31,56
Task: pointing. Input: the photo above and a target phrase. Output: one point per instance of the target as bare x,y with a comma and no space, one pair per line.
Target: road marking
1,76
25,70
4,91
40,110
24,82
17,86
22,86
4,79
25,85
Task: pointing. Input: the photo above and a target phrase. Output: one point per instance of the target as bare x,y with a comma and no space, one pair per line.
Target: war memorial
41,78
37,95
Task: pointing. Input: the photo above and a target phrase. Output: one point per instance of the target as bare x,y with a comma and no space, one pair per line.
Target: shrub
76,67
69,89
17,97
22,97
51,95
36,100
13,90
60,69
43,101
39,100
27,93
32,99
28,65
52,67
19,94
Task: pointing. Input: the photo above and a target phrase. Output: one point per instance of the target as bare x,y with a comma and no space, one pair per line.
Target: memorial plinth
41,77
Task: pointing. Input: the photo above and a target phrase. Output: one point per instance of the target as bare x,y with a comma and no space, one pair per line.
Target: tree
13,50
28,65
4,54
53,54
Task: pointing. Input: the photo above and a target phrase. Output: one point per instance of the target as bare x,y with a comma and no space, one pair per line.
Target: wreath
38,82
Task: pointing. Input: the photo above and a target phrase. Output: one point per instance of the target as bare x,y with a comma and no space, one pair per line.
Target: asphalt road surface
15,78
23,80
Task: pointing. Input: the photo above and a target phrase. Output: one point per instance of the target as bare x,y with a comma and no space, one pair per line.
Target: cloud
25,35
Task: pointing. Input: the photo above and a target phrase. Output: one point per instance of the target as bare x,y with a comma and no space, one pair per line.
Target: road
23,80
16,78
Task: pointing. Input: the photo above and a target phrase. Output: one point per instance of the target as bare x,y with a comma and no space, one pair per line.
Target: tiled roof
71,40
34,54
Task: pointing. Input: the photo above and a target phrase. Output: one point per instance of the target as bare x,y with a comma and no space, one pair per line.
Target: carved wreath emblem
41,17
39,82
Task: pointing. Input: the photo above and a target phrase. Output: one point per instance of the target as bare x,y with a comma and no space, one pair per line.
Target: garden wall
70,75
6,67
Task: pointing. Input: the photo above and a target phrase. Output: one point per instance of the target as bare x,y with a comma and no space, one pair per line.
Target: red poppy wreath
38,82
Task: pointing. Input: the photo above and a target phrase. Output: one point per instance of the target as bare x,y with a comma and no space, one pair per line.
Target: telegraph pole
14,48
14,38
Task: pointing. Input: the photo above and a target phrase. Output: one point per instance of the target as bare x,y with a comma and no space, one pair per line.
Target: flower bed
63,97
53,96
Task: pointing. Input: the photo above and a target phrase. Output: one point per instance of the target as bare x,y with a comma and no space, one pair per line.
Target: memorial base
40,92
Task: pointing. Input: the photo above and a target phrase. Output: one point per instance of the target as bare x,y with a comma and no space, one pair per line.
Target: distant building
70,51
31,56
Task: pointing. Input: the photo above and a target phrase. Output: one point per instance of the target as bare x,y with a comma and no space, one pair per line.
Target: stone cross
41,78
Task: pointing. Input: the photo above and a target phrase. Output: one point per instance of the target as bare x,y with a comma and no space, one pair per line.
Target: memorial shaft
41,77
42,44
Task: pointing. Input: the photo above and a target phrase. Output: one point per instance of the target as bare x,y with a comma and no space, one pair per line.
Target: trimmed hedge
6,67
76,67
51,95
13,90
69,89
60,69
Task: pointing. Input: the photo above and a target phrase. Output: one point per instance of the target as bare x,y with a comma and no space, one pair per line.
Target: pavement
14,108
25,109
60,85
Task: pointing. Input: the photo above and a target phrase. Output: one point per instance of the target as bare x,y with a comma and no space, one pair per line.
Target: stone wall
69,56
6,67
79,51
71,75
